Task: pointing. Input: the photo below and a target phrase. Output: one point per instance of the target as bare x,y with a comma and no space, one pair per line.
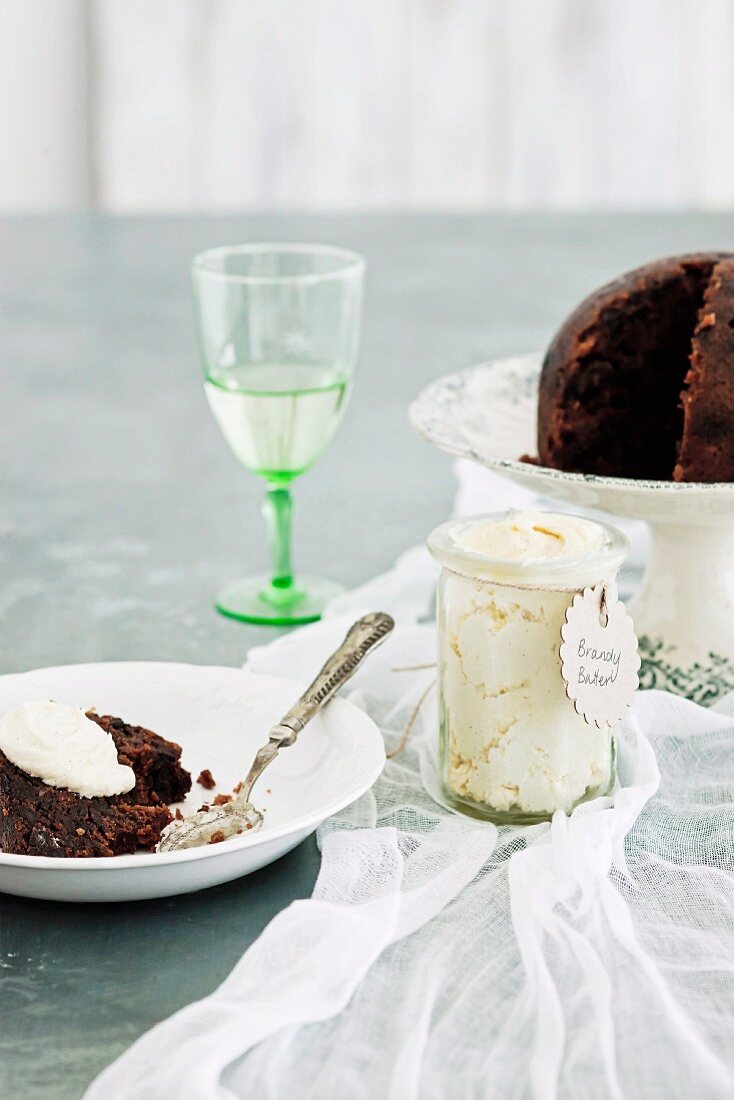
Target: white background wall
366,104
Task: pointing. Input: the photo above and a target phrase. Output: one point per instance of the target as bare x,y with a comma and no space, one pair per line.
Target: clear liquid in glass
278,418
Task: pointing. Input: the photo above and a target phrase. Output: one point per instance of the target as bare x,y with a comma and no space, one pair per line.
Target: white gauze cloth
441,957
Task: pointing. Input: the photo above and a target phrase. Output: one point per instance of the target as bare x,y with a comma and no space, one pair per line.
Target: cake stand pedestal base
684,611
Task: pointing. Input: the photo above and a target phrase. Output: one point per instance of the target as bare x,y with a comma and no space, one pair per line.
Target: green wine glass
278,328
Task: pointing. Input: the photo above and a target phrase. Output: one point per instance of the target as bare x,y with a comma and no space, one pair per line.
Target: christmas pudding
639,381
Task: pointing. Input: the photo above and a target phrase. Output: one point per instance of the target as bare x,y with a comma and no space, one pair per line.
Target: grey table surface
123,511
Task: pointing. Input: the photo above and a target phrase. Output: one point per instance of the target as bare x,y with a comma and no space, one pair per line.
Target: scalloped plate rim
421,420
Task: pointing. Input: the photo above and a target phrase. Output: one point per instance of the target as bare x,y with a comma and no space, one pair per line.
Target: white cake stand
684,610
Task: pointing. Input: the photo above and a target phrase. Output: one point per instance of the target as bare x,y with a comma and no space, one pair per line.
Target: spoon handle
364,636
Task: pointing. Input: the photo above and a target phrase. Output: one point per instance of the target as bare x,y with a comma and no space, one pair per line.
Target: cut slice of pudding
159,775
706,450
41,815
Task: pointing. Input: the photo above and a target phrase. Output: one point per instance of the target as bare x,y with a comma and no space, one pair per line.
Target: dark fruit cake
38,819
155,761
706,451
639,381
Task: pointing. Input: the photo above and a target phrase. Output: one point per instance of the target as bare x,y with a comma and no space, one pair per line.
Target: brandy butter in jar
512,746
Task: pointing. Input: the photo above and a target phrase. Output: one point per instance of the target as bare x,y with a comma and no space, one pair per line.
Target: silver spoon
239,815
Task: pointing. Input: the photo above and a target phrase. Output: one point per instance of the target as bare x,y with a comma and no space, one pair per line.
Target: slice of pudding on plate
79,784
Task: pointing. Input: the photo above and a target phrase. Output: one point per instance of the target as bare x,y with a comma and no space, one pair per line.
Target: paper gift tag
599,657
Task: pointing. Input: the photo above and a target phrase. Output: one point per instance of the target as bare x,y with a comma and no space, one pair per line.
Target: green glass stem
278,512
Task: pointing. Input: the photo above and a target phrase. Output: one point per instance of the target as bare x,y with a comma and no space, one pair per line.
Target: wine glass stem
278,511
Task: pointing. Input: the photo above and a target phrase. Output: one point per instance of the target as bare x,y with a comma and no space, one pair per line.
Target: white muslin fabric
439,958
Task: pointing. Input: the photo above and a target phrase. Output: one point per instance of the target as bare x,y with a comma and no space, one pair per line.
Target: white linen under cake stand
684,610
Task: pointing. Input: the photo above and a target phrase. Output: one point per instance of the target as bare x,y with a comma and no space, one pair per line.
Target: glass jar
512,747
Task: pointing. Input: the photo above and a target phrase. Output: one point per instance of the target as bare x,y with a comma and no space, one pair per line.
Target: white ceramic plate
220,716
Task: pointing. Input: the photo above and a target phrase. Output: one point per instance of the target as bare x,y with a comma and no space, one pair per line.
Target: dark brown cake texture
706,451
36,819
155,761
639,381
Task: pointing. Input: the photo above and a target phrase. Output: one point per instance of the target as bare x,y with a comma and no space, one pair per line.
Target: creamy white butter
513,741
532,537
58,743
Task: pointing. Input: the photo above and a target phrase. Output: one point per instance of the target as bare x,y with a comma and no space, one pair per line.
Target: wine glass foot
256,600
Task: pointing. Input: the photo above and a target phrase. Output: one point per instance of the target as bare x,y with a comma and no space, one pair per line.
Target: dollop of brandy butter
59,744
533,537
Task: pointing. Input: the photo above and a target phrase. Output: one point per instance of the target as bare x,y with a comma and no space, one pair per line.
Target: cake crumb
222,799
238,788
204,808
206,780
178,815
217,838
